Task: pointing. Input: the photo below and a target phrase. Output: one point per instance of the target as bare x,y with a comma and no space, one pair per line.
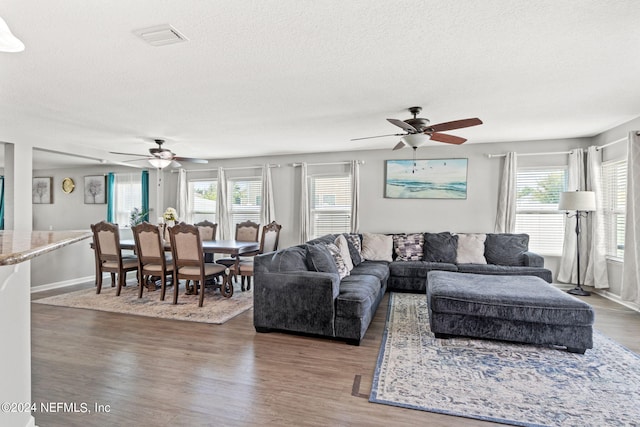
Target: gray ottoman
511,308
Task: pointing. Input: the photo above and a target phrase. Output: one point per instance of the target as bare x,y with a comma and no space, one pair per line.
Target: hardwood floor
154,372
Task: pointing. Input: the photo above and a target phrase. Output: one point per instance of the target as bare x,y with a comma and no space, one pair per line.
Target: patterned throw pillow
408,247
343,271
355,248
341,243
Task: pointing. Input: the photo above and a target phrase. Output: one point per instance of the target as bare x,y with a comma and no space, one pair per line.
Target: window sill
615,259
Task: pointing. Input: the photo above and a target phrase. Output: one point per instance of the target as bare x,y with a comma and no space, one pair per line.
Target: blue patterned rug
507,383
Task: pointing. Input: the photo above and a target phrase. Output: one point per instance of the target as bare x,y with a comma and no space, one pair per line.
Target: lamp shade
9,42
415,140
160,163
577,201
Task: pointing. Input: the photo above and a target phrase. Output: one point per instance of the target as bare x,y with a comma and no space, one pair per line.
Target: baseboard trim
616,298
63,284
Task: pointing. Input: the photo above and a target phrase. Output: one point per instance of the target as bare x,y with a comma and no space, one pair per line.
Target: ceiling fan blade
190,159
449,139
403,125
456,124
399,145
129,154
379,136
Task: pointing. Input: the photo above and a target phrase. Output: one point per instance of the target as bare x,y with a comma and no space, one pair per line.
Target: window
128,195
203,195
538,193
330,198
614,192
245,196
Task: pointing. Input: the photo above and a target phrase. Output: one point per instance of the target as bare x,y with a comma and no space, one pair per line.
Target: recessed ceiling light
161,35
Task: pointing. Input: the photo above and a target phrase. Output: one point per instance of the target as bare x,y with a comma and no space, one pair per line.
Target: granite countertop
20,246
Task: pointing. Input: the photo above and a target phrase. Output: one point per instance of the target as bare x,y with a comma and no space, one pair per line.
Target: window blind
330,199
128,195
537,196
245,199
202,200
614,189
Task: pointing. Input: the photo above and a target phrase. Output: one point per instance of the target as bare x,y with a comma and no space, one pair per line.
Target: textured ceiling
296,76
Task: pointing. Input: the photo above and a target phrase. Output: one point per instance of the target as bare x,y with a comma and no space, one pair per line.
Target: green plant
137,216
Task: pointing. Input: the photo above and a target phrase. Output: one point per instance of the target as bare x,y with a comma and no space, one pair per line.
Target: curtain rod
600,147
530,154
360,162
228,169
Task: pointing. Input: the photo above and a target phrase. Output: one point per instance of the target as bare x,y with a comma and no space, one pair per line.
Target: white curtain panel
506,213
267,209
568,269
596,272
222,207
183,196
631,269
305,232
355,196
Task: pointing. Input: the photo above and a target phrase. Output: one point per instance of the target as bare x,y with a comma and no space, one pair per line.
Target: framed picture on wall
426,179
41,190
95,189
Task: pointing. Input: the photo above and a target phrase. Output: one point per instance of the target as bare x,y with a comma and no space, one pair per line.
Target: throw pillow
355,248
408,247
320,259
471,249
505,248
343,246
343,271
440,247
377,247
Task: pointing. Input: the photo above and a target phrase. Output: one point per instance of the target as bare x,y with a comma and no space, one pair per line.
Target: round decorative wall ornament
68,185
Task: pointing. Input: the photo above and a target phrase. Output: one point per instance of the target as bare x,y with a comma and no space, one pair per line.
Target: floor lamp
582,202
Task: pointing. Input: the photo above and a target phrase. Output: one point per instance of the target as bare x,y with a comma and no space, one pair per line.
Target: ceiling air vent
161,35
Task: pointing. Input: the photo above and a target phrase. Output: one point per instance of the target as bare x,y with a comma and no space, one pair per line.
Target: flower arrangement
170,215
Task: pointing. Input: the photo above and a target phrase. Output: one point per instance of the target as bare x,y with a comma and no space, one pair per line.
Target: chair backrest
247,231
270,237
106,240
186,245
207,230
149,245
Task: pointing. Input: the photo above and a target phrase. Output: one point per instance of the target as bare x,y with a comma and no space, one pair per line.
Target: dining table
235,248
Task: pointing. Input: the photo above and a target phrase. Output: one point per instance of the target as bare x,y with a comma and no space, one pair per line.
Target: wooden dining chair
208,231
109,258
188,262
152,260
247,231
268,243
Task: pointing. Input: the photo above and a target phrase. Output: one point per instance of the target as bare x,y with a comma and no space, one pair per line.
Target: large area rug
216,309
502,382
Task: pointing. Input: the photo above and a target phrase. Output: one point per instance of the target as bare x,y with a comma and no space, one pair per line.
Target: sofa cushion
408,247
355,247
505,248
504,270
418,268
341,243
290,259
357,294
471,248
343,270
320,259
379,269
377,247
440,247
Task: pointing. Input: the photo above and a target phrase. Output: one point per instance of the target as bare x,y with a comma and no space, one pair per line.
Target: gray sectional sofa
299,289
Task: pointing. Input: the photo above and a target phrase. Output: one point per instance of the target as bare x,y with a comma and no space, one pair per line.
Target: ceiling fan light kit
419,130
8,42
160,157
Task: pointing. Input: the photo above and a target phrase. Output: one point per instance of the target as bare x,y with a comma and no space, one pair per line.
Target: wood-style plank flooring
154,372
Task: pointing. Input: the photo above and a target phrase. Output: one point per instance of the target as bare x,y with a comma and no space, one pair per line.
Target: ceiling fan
418,130
160,157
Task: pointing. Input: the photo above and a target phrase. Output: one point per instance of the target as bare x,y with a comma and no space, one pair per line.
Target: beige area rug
216,309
